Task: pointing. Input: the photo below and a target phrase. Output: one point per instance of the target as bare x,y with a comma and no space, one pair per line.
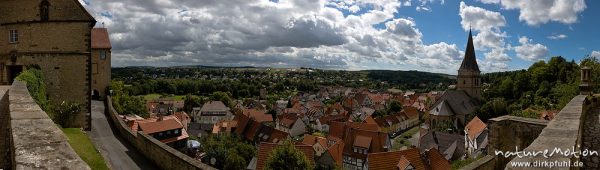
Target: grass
155,96
402,139
83,146
461,163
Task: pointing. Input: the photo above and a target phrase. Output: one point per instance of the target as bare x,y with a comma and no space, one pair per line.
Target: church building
454,106
56,36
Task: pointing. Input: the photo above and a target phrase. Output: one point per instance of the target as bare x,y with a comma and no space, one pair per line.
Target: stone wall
161,154
5,162
485,163
562,132
101,70
508,132
36,142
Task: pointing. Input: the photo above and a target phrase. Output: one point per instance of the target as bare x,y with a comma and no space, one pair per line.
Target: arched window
45,10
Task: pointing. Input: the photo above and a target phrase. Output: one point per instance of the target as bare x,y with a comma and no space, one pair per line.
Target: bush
65,113
36,86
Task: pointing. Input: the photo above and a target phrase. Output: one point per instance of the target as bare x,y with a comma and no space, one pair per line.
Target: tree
190,102
286,156
228,151
395,106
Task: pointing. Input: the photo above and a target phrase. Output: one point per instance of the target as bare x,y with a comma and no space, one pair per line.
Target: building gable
22,11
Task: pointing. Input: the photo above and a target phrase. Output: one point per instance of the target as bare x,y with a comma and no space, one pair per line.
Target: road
116,151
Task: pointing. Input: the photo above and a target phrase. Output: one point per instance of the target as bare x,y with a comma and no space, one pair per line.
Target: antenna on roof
103,25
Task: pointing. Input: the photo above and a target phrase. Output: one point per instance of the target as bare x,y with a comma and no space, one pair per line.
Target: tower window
45,10
103,54
13,36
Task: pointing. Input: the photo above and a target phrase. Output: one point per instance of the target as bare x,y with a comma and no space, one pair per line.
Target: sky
424,35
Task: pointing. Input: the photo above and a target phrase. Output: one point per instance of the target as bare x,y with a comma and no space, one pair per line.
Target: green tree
190,102
287,157
395,106
223,147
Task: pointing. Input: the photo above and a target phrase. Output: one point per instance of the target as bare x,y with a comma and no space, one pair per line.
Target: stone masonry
37,143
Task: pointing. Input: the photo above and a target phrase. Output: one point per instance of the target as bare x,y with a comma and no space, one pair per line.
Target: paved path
591,138
116,151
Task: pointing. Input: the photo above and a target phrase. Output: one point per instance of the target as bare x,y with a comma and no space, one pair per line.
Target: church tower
469,79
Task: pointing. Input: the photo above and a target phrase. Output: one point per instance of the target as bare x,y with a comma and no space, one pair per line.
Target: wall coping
520,119
562,132
37,143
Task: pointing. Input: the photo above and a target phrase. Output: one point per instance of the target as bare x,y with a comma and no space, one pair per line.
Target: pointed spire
470,61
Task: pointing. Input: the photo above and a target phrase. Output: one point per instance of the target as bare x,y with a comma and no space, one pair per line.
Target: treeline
422,81
245,88
543,86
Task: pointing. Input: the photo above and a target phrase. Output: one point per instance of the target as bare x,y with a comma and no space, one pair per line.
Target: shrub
65,113
36,86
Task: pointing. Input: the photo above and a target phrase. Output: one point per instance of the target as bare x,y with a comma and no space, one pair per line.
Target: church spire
469,62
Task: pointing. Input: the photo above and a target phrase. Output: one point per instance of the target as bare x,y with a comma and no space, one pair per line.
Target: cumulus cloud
530,52
285,33
557,37
536,12
595,54
490,38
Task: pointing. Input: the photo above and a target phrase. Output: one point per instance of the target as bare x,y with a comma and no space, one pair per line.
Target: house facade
101,66
56,36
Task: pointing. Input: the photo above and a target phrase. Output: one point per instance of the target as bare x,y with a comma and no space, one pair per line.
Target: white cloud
536,12
480,19
595,54
490,38
290,33
557,37
530,52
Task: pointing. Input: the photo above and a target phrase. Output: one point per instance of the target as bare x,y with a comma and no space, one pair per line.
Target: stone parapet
161,154
563,132
37,143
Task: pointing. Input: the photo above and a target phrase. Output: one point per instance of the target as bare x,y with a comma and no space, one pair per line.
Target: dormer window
45,10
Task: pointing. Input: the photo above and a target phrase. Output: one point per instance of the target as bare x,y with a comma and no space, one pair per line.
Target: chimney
585,88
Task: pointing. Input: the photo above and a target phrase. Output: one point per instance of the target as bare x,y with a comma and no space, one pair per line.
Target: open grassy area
155,96
82,144
402,139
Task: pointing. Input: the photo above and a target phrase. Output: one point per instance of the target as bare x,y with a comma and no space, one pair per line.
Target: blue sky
425,35
442,24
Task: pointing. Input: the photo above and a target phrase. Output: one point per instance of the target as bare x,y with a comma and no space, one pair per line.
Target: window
176,131
168,132
103,54
13,36
45,10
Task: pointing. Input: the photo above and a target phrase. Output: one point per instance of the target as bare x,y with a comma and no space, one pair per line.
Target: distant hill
411,78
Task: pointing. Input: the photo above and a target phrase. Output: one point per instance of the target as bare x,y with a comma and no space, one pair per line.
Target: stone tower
469,79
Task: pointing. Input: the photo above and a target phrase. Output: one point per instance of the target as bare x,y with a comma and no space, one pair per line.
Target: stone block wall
5,162
563,132
508,132
36,142
158,152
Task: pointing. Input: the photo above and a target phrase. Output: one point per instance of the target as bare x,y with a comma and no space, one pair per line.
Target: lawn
155,96
82,144
402,140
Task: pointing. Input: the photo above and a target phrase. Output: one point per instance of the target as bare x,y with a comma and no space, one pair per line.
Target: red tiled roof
100,39
336,150
160,126
390,160
437,161
403,163
362,141
411,112
265,149
258,115
475,127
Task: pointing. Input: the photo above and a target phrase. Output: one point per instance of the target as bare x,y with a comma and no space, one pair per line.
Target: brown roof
339,129
214,106
309,139
265,149
403,163
437,160
258,115
390,160
475,127
100,39
160,126
469,61
411,112
336,150
362,141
